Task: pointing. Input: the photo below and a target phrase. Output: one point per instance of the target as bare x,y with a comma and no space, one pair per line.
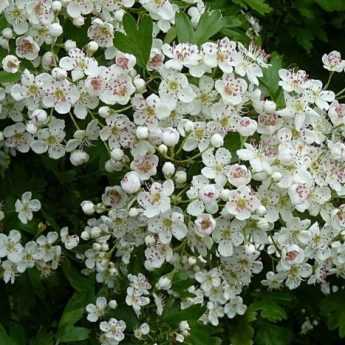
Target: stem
340,92
123,109
74,121
329,79
193,157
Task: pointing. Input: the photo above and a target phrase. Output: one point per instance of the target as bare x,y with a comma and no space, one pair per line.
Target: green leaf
174,314
233,142
270,79
270,334
333,310
260,6
184,28
6,77
78,282
137,40
17,333
241,332
5,339
332,5
211,22
43,337
74,334
272,305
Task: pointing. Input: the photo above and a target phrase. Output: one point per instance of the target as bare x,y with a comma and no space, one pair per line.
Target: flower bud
168,169
139,84
131,182
7,33
39,115
59,73
55,30
112,304
79,157
164,283
170,137
88,207
79,21
181,177
142,132
10,64
133,212
57,6
162,149
104,111
117,154
217,140
92,47
69,44
48,60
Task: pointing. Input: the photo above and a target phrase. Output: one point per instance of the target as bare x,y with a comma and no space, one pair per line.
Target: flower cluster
213,173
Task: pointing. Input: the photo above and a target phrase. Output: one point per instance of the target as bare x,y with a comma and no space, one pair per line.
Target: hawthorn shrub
165,180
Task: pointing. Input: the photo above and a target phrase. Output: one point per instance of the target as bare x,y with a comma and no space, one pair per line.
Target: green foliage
260,6
270,334
137,40
271,78
211,22
333,309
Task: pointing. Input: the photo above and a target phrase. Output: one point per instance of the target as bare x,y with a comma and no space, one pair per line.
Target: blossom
333,61
231,89
242,203
168,225
216,165
96,311
157,200
50,139
27,48
113,329
26,206
10,246
59,94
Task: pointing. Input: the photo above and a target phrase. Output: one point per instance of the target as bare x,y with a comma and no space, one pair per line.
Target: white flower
113,329
27,48
227,234
10,246
157,200
77,8
79,64
235,307
10,64
231,89
181,55
118,132
30,89
292,81
318,96
50,139
216,165
205,224
16,137
118,86
40,12
26,206
168,225
333,62
101,32
70,241
238,175
175,87
60,95
242,203
222,54
16,16
96,311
